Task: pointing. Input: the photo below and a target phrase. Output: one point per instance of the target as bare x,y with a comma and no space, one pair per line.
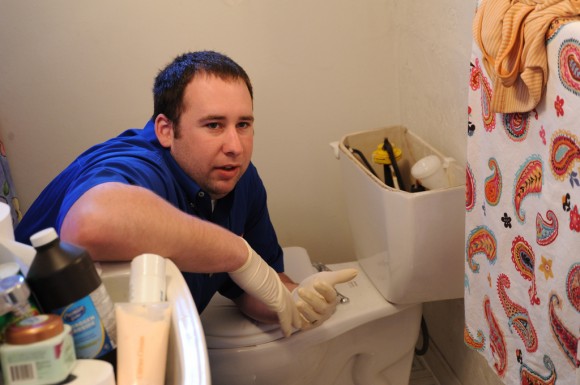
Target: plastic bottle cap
92,372
34,329
147,280
43,237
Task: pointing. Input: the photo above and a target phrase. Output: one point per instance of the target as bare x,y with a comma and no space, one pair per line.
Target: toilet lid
226,327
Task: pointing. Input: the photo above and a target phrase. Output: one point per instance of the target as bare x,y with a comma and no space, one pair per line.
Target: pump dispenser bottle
15,302
64,281
14,297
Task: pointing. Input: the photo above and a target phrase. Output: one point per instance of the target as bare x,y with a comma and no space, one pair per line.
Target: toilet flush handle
322,267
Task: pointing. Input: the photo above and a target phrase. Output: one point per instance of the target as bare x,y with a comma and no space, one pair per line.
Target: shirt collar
193,191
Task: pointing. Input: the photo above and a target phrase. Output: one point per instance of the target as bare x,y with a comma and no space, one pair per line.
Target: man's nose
232,141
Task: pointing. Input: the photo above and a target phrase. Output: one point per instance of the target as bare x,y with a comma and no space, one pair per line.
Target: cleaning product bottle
64,281
14,298
15,301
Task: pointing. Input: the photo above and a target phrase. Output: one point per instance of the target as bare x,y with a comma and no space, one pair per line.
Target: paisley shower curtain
522,253
7,192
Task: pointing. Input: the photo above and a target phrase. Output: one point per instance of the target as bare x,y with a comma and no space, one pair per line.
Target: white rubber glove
316,297
258,279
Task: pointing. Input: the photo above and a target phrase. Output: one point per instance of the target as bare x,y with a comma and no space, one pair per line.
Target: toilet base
379,352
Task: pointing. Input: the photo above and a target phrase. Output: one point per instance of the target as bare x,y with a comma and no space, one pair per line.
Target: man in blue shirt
184,188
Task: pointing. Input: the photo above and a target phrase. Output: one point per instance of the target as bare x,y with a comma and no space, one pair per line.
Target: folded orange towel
511,36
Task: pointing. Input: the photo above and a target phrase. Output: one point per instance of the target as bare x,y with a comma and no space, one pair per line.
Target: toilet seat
225,327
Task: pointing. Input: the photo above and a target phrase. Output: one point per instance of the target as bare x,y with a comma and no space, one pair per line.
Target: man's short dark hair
171,82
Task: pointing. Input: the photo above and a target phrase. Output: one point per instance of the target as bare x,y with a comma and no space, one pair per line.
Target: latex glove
316,297
258,279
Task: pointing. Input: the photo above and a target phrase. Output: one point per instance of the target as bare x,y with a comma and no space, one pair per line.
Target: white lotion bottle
143,324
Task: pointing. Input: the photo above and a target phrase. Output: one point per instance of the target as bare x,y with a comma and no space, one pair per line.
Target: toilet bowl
242,352
408,250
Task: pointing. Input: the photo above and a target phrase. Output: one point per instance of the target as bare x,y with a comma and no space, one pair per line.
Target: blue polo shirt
136,158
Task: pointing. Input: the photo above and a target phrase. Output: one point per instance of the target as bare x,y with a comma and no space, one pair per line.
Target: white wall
434,53
75,73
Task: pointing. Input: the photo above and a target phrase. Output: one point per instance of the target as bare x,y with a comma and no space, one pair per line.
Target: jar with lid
38,350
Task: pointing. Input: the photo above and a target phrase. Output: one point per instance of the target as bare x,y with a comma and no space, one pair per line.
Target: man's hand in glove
259,280
316,297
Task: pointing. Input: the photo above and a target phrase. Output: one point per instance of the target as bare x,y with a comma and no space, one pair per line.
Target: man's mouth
228,168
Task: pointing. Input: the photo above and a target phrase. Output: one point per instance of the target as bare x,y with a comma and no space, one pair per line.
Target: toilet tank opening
411,245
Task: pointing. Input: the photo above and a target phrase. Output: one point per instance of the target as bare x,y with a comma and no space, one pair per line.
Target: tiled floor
421,375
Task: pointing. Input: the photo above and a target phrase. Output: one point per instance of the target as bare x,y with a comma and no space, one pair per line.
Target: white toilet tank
411,245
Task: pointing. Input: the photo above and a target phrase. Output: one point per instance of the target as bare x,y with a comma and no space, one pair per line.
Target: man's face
216,133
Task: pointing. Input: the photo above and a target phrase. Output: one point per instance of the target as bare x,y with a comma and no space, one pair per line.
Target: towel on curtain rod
511,36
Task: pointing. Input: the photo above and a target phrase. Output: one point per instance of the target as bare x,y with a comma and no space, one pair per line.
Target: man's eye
213,125
244,125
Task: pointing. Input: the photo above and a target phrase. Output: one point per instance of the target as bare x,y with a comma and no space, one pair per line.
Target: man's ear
164,130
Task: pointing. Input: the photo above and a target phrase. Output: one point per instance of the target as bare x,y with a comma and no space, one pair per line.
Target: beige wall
434,51
75,73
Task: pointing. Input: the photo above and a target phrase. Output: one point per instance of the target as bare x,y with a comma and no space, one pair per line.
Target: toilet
409,249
